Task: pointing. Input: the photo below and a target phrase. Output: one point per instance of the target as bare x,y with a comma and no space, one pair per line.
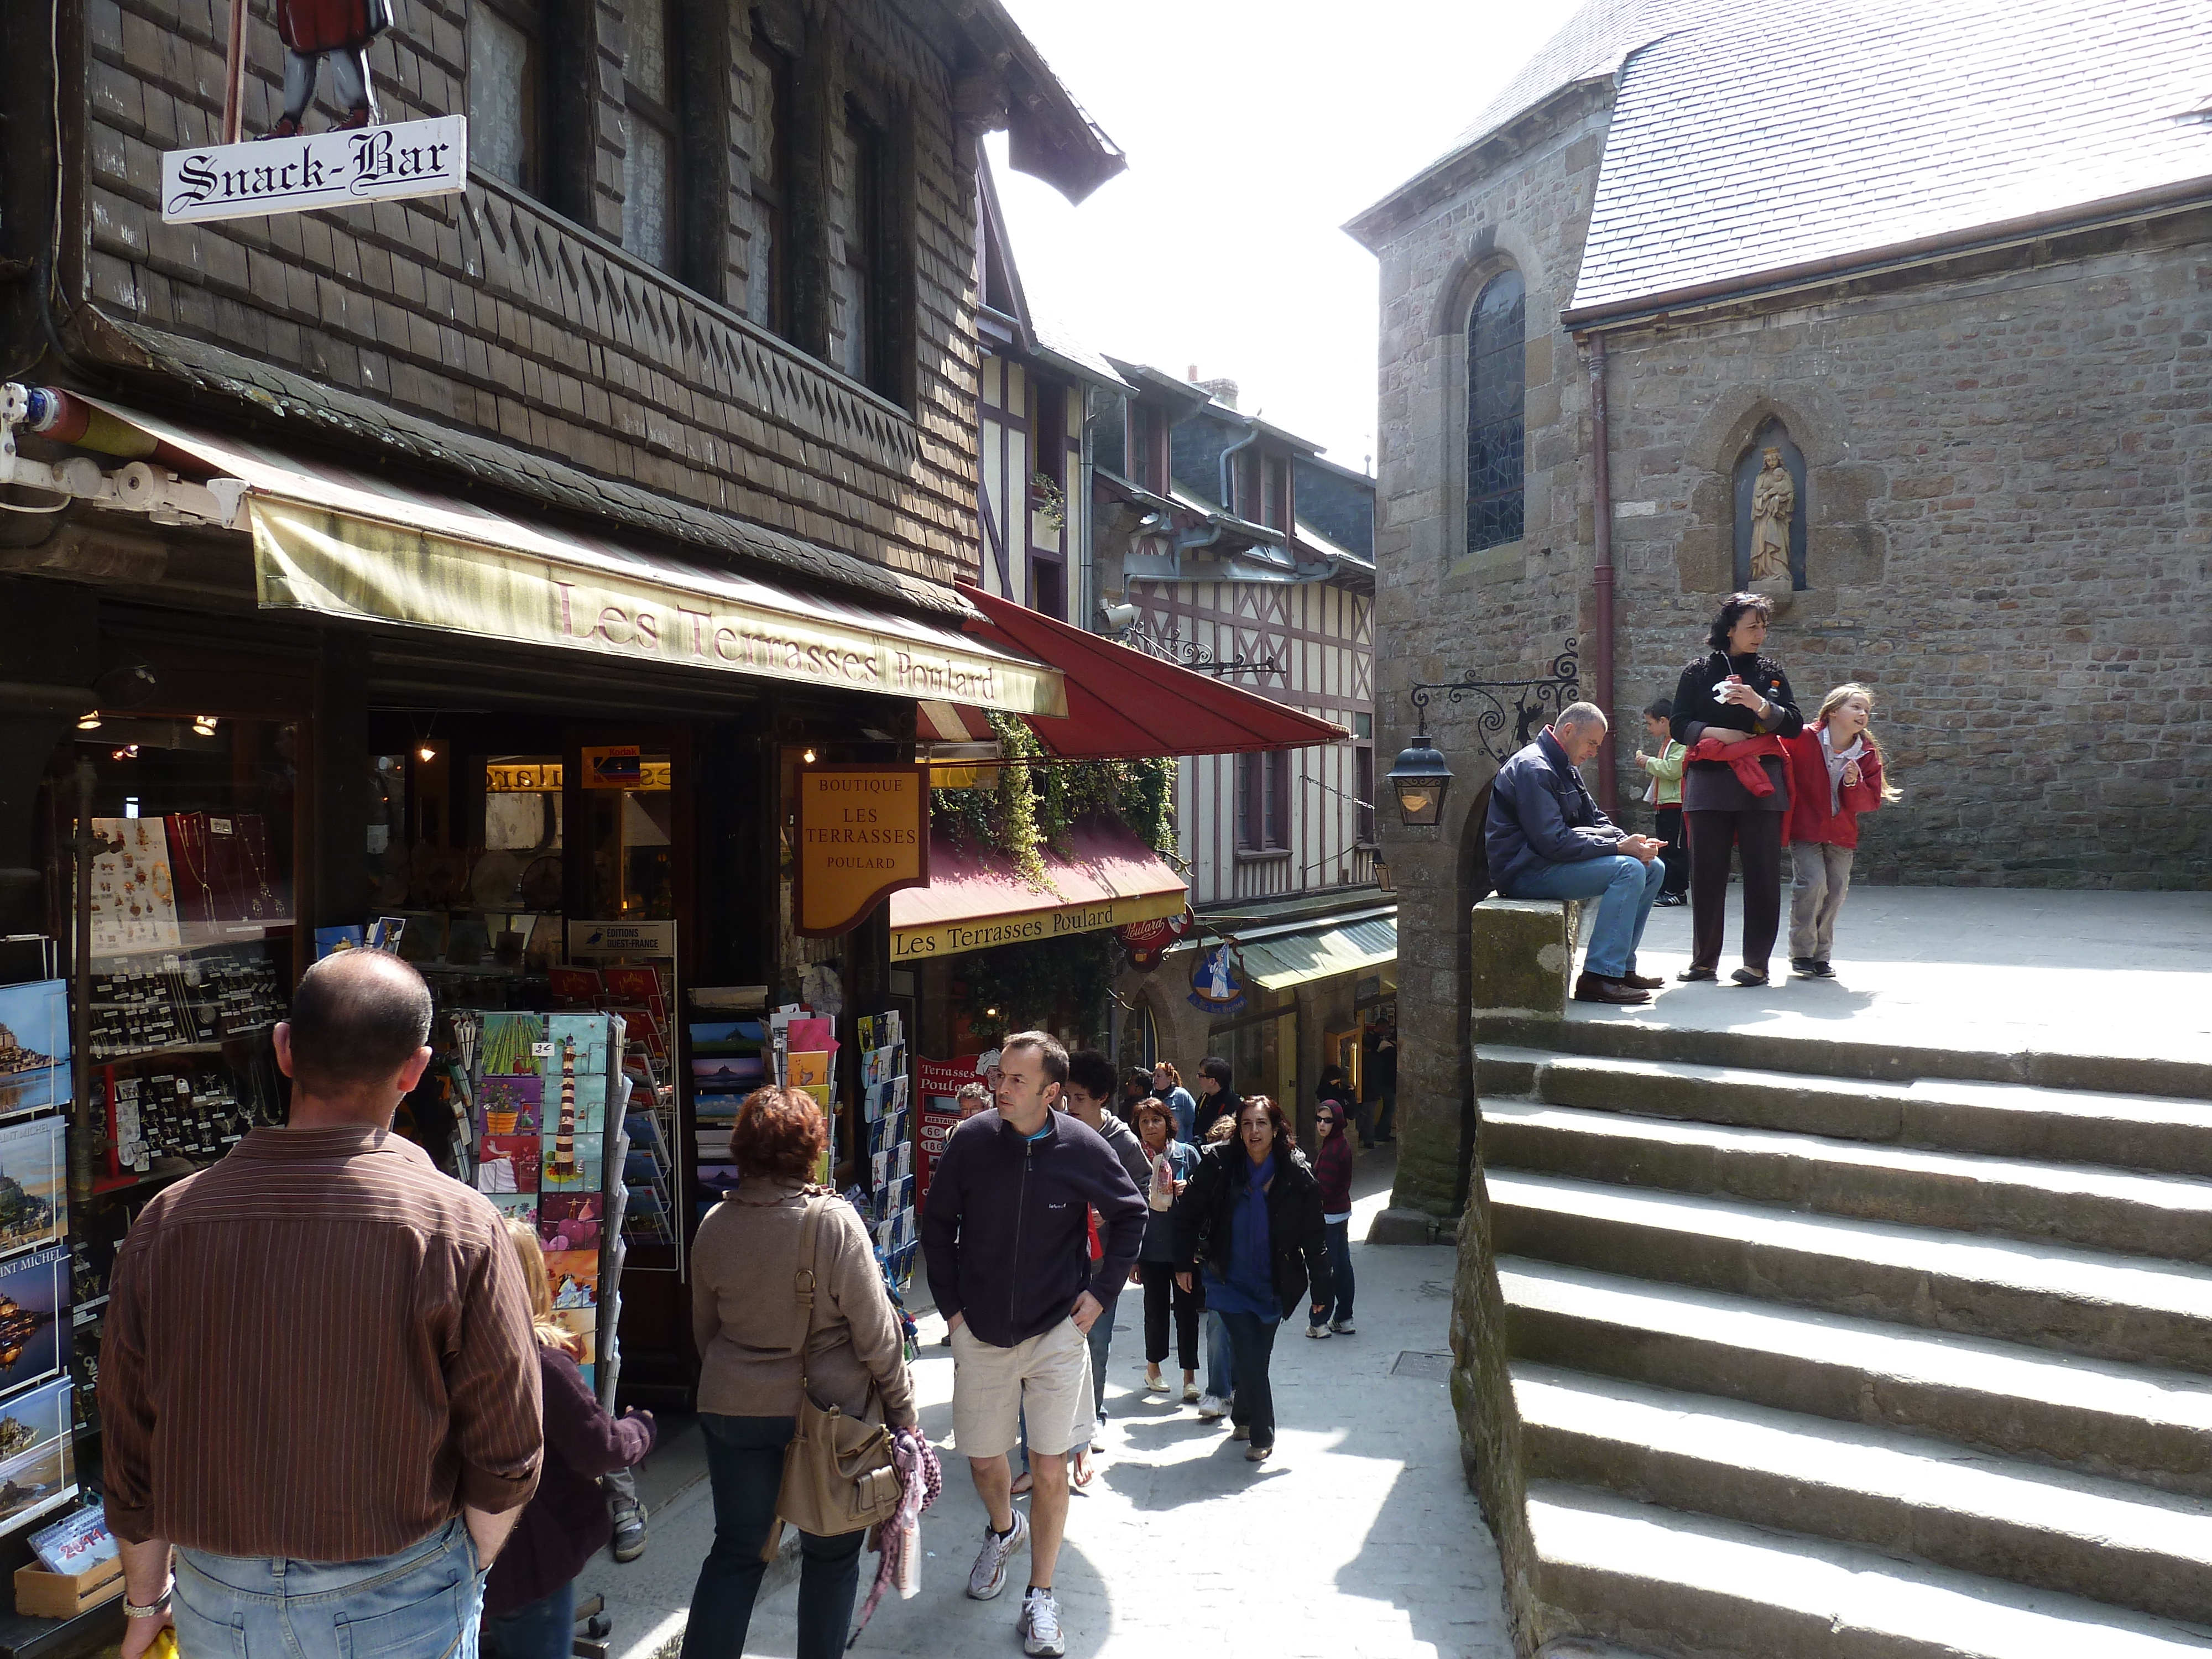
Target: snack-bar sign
316,170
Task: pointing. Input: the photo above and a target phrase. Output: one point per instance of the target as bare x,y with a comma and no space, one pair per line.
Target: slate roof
293,404
1750,142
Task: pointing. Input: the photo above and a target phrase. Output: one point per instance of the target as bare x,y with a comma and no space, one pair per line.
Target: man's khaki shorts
1047,1378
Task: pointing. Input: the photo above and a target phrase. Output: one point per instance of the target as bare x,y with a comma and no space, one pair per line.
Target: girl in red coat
1835,775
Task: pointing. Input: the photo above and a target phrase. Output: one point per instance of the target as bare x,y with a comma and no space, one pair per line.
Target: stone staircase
1813,1365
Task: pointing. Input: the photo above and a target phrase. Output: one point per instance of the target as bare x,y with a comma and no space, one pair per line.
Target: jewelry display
254,834
188,840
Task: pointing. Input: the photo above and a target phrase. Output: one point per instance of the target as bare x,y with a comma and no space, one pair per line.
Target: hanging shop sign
543,777
322,170
863,834
1217,984
1146,942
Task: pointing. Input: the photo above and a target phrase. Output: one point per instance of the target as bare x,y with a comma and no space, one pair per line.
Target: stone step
2164,1216
2065,1126
2098,1416
1915,1499
1694,1587
1637,1034
2049,1296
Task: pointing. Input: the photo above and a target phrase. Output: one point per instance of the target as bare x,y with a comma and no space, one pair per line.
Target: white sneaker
1341,1327
1319,1332
1211,1407
1040,1623
988,1575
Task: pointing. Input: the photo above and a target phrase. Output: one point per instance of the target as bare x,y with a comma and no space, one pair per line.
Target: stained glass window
1495,392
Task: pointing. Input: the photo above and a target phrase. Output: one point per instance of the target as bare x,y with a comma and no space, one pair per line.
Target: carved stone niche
1771,502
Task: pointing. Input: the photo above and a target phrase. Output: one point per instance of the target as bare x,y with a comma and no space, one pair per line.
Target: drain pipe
1229,476
1601,573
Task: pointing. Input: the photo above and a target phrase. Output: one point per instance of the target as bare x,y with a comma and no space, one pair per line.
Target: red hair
779,1135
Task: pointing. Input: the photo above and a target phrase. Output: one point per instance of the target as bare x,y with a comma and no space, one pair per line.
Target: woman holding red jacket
1735,696
1835,775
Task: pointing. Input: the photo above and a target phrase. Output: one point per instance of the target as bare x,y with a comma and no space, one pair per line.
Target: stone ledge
1522,955
1398,1225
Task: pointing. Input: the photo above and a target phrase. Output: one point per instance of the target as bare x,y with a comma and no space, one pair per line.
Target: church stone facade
2000,439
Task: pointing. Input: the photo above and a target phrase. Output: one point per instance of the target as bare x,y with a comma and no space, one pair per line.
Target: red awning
1124,705
1104,877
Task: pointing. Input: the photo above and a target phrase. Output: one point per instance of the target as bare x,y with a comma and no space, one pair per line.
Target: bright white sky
1254,129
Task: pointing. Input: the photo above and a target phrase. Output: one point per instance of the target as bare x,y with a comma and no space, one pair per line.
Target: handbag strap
805,1281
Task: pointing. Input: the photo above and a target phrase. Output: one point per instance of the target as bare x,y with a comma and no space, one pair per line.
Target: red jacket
1809,817
311,26
1743,759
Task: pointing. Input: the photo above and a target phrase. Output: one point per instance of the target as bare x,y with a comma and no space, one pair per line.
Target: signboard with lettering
952,939
863,834
616,767
316,170
1145,942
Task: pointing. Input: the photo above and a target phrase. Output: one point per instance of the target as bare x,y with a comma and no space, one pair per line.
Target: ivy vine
1032,807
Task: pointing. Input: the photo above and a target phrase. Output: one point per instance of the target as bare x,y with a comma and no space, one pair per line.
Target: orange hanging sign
863,834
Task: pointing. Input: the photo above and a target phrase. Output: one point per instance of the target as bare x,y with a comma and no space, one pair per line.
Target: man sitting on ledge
1548,838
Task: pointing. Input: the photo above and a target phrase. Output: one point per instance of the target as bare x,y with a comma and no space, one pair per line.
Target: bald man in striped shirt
319,1383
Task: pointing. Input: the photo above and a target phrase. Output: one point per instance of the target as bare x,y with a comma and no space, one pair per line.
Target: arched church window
1495,391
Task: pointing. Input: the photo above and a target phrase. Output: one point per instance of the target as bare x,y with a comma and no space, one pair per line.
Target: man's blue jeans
1624,887
422,1603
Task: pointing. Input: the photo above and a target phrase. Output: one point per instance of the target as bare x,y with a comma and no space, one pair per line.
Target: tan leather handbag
838,1476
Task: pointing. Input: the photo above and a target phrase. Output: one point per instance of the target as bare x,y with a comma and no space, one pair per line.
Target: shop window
1048,588
190,902
507,57
1049,435
869,319
1494,372
1263,802
651,132
767,274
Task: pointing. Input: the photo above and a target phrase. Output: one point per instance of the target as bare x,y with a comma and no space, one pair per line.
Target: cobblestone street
1360,1538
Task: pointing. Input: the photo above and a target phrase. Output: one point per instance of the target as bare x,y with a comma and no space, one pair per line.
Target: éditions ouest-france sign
316,170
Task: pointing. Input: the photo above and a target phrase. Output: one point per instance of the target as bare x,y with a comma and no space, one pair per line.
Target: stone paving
1970,968
1359,1539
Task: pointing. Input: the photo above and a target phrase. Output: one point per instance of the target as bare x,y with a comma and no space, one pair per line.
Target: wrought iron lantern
1420,779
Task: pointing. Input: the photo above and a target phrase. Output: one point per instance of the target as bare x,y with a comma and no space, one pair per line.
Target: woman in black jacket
1734,694
1249,1221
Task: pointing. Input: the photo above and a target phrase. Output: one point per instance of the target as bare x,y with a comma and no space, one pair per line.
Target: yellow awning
365,546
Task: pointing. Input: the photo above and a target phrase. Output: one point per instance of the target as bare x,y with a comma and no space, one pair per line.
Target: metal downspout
1602,573
1228,475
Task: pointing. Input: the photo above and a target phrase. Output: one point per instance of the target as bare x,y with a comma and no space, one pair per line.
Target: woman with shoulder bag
760,1350
1251,1222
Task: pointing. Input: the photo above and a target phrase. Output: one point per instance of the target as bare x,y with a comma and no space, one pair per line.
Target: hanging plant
1049,503
1034,807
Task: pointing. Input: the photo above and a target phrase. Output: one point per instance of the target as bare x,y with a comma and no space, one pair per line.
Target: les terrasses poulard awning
350,542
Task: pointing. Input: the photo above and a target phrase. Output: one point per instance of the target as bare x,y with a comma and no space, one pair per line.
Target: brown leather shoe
1589,987
1643,982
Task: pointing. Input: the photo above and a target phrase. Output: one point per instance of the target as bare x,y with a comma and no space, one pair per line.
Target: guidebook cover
34,1045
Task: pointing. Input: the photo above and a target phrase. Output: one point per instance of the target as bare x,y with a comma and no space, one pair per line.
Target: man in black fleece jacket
1007,1240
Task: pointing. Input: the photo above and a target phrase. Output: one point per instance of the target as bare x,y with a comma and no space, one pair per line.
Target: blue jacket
1006,1230
1541,815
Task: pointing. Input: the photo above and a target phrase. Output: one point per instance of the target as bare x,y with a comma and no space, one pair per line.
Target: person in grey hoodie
1089,1086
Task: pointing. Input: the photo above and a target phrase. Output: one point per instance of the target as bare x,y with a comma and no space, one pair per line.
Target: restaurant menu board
940,1083
550,1151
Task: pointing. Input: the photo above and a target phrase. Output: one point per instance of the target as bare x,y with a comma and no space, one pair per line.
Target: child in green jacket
1665,795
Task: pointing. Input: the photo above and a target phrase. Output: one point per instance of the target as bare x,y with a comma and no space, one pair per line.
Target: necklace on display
263,905
194,852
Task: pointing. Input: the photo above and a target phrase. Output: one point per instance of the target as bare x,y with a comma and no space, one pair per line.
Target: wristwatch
158,1608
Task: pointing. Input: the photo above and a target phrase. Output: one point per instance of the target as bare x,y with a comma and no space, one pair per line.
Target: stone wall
494,312
2009,538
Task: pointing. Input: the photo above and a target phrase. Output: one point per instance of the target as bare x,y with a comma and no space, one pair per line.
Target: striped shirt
318,1349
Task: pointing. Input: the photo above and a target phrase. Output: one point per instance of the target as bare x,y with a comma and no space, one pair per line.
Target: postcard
509,1105
510,1044
34,1318
507,1164
33,1182
580,1174
516,1207
34,1045
37,1472
571,1221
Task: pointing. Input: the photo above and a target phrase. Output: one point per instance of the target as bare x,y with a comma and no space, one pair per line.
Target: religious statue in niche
336,32
1773,502
1770,511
